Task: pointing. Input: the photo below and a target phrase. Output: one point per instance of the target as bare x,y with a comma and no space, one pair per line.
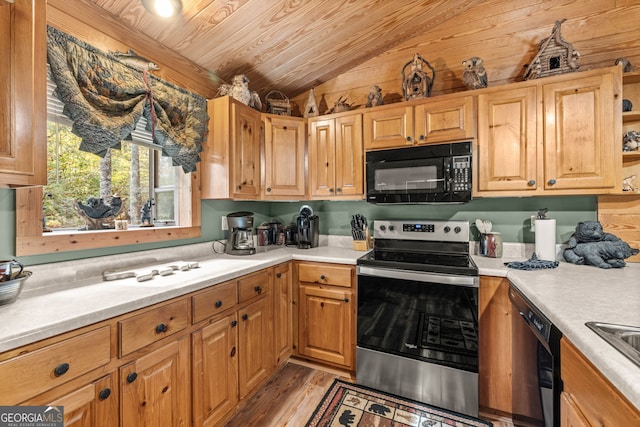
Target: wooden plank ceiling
288,45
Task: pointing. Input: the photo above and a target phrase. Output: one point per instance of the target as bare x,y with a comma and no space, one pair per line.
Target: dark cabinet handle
421,137
218,303
258,289
323,277
346,300
61,369
552,181
531,182
278,275
105,393
161,328
234,323
233,352
238,187
338,190
408,139
245,316
132,377
268,189
331,190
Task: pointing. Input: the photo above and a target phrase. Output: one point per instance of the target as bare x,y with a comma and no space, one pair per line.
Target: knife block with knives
360,233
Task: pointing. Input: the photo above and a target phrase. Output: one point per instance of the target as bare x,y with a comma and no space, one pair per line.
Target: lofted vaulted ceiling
288,45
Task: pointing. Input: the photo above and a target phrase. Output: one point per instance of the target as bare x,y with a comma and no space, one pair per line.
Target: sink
625,339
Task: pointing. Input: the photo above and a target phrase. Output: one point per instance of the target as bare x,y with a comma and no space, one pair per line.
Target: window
136,173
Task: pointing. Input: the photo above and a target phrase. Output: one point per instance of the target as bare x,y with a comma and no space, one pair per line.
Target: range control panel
430,230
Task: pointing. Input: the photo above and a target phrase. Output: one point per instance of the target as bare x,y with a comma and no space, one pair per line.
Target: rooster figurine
474,75
239,90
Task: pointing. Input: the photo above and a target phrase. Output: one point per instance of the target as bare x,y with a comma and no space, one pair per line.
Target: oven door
417,336
424,316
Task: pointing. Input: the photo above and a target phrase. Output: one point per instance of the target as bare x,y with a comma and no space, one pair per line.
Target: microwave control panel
461,173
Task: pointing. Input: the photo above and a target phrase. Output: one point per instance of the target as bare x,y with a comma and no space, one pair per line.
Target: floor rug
351,405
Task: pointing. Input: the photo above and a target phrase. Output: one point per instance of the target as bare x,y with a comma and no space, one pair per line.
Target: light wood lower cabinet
326,309
215,371
153,387
495,357
588,399
283,312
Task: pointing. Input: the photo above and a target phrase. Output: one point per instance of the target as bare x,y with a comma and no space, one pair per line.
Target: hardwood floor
292,394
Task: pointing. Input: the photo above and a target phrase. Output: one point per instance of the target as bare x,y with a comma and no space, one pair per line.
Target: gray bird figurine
474,75
239,90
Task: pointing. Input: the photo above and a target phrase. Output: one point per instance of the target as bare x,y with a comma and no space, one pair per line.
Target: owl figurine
239,90
375,97
474,75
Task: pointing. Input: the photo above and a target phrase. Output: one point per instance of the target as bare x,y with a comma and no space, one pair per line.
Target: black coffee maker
308,226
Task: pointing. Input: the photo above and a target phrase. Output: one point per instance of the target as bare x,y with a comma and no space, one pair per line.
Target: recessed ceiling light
163,8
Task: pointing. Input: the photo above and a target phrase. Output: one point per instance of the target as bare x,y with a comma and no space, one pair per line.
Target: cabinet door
349,156
326,325
23,138
388,128
506,155
284,157
245,154
578,133
283,313
494,321
322,166
570,414
154,387
215,371
445,121
255,345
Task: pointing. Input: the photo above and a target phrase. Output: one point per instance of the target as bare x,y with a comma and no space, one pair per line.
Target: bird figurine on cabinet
239,90
474,75
375,97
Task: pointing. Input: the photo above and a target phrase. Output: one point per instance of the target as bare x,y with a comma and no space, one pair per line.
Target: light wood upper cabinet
558,135
579,132
231,156
445,120
336,157
284,158
507,144
23,137
449,118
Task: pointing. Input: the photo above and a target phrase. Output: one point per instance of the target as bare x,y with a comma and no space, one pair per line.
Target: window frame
90,24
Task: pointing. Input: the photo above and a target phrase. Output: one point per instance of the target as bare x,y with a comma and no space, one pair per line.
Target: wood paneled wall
505,34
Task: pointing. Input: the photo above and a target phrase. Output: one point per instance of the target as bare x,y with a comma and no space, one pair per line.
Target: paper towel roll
546,239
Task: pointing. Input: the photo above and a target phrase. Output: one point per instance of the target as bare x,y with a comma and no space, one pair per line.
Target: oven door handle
422,276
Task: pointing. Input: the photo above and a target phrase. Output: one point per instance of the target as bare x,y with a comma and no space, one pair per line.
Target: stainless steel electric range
417,319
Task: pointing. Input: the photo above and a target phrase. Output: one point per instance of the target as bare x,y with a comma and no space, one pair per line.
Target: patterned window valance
105,98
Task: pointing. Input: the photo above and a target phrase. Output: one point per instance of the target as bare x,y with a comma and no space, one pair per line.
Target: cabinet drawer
325,274
33,373
151,326
253,285
216,300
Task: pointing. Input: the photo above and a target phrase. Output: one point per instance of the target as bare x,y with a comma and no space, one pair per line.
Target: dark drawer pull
234,323
61,369
346,300
105,393
279,275
245,316
132,377
161,328
258,289
218,303
233,352
323,277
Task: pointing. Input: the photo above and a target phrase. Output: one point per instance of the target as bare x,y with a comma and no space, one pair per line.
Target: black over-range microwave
437,173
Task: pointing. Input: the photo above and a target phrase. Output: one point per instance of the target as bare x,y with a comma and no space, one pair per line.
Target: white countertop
569,296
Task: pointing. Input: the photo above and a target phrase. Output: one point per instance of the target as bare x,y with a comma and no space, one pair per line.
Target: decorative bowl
10,289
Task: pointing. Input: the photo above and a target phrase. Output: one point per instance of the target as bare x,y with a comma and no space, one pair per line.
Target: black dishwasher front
536,365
